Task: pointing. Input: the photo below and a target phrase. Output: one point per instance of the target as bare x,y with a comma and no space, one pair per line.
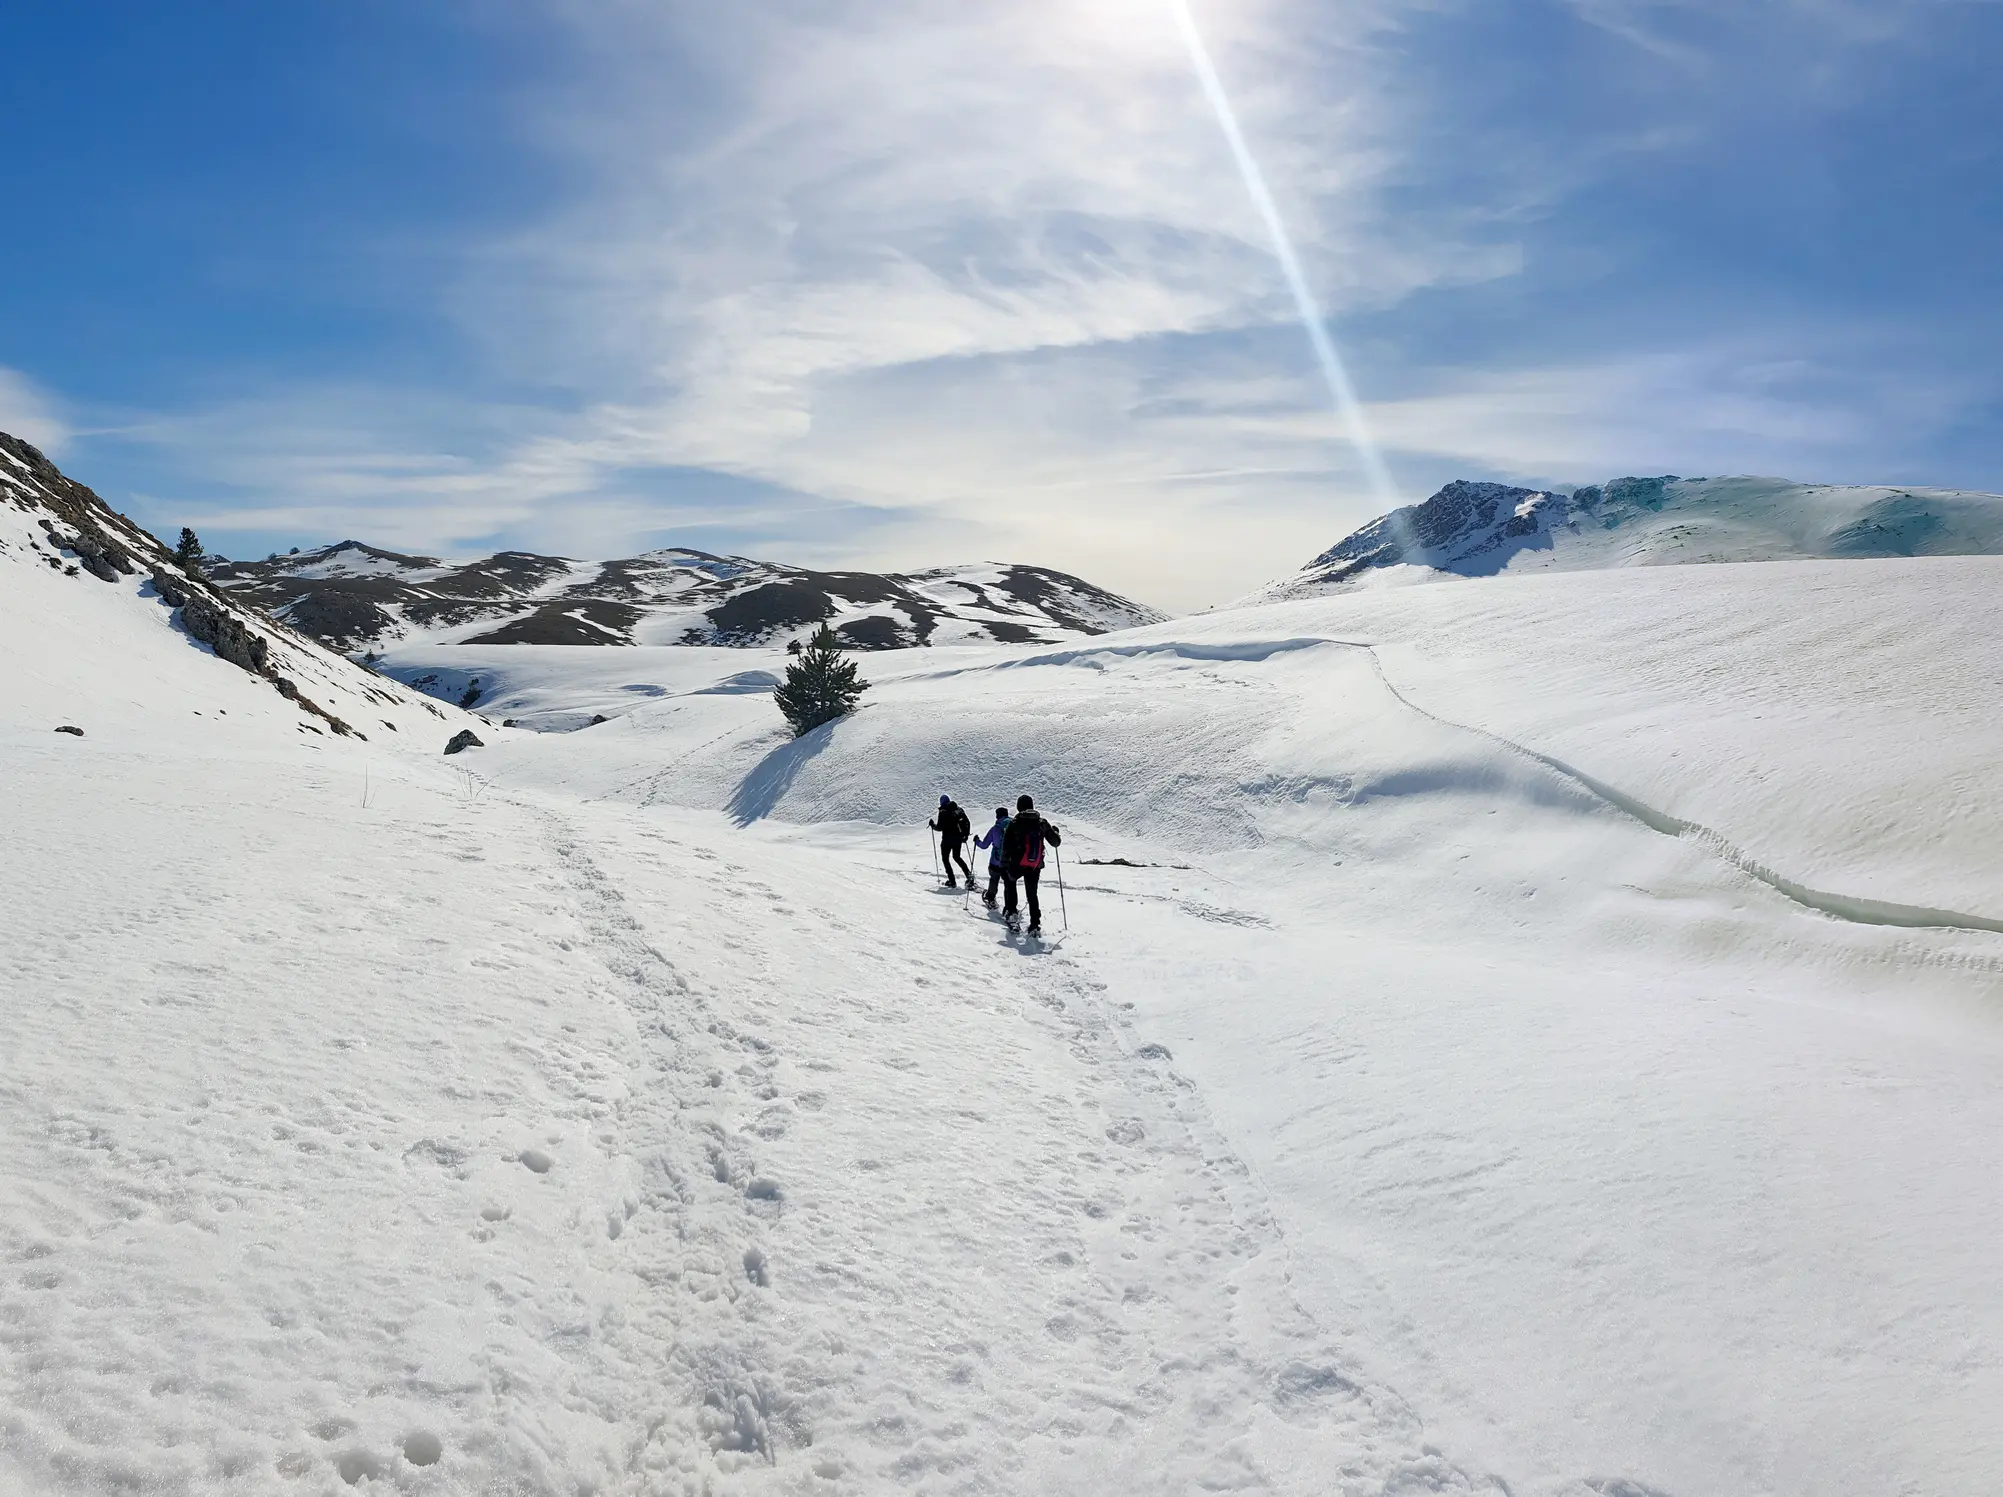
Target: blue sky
895,282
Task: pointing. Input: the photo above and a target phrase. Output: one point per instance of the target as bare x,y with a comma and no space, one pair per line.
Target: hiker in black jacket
953,828
1023,852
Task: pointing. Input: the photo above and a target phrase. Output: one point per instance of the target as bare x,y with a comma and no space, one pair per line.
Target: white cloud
30,413
1712,409
853,256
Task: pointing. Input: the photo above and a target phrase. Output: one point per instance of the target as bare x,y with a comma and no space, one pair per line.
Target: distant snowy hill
98,600
1479,529
352,597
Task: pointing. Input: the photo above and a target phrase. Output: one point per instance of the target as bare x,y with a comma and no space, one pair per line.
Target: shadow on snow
761,791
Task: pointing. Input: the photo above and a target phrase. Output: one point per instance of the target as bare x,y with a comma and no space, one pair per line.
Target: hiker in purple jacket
991,839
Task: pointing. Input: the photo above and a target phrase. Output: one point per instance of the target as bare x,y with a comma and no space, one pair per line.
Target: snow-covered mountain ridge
352,596
1472,529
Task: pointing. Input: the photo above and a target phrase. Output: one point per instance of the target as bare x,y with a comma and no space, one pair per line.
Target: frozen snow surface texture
1542,1035
354,597
1480,529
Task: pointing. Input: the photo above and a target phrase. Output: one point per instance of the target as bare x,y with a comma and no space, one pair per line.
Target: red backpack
1032,844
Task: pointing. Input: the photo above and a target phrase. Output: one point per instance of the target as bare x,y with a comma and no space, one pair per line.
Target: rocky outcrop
224,632
287,689
170,590
74,518
463,740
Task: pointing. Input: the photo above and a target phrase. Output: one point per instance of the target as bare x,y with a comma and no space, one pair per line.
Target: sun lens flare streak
1339,387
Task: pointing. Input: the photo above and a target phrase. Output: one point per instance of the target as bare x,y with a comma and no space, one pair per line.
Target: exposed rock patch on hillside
354,597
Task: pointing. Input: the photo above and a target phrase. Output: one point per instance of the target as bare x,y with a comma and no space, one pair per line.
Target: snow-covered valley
1540,1034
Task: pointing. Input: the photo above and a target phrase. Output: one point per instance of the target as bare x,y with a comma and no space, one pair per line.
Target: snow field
1594,1142
460,1145
1840,721
626,1110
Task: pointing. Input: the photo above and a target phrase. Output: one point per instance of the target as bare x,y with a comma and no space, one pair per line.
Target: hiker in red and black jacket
1023,852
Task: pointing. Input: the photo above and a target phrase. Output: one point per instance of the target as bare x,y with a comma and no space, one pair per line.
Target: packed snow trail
1010,1253
487,1143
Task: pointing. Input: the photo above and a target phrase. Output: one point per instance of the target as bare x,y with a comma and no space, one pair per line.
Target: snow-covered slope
355,597
1537,1035
1480,529
128,637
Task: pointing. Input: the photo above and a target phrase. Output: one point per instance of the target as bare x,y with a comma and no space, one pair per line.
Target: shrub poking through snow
820,685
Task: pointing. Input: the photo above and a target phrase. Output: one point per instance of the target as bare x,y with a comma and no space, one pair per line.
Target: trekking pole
1066,913
935,854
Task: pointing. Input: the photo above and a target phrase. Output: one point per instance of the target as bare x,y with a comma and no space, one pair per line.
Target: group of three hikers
1015,852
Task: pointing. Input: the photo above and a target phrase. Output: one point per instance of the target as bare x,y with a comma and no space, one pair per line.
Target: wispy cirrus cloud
895,230
898,281
1727,407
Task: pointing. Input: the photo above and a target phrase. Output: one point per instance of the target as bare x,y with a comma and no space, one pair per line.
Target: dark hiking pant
994,880
954,850
1029,876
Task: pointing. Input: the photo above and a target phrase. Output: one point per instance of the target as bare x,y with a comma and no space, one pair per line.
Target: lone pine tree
189,552
820,686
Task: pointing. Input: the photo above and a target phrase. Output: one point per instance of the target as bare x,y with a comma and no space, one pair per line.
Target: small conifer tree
189,553
820,686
